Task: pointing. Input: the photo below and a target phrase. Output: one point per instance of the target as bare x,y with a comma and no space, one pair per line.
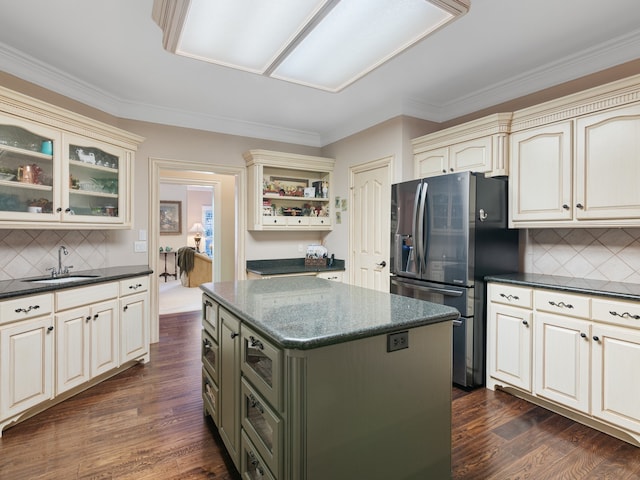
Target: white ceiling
108,54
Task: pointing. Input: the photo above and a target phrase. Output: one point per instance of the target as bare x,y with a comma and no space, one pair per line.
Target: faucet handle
66,269
53,271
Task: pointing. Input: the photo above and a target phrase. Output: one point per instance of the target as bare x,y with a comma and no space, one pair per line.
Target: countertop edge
327,340
568,284
21,287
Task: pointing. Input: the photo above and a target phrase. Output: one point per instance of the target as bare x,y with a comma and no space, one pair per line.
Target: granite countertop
307,312
620,290
287,266
20,287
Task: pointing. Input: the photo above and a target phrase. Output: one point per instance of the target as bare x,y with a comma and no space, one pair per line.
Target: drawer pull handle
27,310
255,403
560,304
233,335
208,303
255,343
510,297
624,315
136,286
256,463
207,344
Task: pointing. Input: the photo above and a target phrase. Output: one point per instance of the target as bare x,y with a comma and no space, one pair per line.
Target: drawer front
262,365
77,297
320,221
210,316
334,276
298,221
625,314
251,463
266,220
510,295
210,355
26,307
263,427
210,396
134,285
562,303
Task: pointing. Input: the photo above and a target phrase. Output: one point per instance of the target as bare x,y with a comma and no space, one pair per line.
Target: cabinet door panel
509,345
474,156
562,359
229,374
541,173
26,365
616,380
72,349
433,162
105,334
608,164
134,329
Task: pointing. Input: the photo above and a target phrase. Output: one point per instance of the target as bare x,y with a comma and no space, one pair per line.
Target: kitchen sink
71,278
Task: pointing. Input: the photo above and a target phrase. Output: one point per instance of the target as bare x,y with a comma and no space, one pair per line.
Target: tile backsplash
603,254
28,253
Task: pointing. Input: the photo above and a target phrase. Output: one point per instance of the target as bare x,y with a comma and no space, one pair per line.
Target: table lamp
198,229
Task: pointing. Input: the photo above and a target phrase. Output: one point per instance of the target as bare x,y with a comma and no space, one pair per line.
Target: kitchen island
311,379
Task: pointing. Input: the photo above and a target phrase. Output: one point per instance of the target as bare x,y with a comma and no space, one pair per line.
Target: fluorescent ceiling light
325,44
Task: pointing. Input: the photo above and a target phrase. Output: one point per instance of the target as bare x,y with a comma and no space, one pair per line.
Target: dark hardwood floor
147,423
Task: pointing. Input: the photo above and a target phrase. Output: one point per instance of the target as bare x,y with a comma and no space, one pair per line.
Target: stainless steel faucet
60,270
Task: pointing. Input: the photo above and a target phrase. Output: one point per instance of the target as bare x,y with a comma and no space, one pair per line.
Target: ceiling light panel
325,44
357,36
244,34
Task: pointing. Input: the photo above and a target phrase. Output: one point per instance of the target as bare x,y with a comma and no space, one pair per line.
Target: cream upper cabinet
541,181
288,191
608,165
575,162
477,146
62,170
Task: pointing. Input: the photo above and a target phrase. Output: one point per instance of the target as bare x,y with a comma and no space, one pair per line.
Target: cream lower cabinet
26,355
574,162
46,354
509,335
582,355
134,319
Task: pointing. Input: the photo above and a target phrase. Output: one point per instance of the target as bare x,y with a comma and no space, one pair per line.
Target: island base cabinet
363,412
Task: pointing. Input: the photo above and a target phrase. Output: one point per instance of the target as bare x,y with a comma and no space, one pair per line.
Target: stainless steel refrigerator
447,233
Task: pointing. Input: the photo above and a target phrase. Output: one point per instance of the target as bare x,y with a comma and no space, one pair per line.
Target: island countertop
306,312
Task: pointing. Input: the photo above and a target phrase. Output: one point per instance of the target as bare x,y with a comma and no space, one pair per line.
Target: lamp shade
197,228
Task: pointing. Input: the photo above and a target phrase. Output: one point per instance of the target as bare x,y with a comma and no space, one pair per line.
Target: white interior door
370,186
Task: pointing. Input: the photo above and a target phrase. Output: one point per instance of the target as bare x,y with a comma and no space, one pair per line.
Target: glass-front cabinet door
94,181
28,171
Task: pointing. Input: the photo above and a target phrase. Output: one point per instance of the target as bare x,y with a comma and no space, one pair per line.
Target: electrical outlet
139,246
397,341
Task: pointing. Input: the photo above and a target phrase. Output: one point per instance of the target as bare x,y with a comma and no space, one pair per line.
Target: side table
166,273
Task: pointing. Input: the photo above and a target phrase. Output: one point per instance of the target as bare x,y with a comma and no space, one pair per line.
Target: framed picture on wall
170,217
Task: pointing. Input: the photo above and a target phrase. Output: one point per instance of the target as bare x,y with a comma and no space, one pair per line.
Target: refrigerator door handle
457,323
414,228
443,291
421,240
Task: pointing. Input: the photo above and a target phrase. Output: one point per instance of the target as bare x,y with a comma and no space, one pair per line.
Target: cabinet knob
525,323
583,335
580,206
565,206
95,317
234,335
596,338
444,171
126,307
58,210
88,318
50,329
67,210
451,169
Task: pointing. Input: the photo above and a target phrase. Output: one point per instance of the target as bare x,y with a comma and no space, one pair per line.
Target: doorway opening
230,184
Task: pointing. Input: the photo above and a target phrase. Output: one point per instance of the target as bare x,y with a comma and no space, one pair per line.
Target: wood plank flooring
147,423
